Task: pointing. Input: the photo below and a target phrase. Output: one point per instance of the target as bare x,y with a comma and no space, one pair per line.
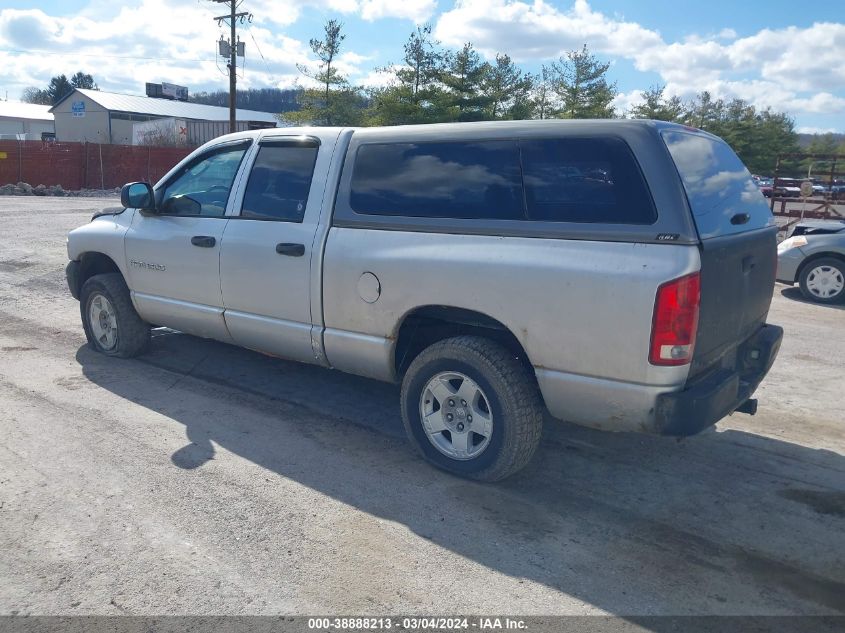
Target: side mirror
138,195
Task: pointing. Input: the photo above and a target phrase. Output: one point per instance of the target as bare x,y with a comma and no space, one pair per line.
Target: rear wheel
471,408
823,280
111,324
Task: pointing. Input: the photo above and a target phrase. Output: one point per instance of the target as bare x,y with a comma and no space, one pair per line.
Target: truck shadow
727,522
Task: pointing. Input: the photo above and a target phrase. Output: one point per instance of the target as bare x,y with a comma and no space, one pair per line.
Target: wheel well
427,325
91,264
814,257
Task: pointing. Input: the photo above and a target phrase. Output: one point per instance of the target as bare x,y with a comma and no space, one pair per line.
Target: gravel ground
206,479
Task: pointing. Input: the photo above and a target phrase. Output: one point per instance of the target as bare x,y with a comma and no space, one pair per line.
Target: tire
110,297
506,401
822,276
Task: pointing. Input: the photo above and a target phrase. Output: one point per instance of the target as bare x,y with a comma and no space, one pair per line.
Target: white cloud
624,101
809,129
180,49
796,69
378,78
801,59
415,10
538,30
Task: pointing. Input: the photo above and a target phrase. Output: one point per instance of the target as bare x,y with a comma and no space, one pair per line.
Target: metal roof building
107,117
24,121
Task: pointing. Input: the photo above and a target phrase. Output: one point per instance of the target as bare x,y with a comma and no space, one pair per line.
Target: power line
254,41
103,56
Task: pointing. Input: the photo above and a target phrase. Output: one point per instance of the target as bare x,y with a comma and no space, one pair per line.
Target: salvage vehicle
814,257
617,274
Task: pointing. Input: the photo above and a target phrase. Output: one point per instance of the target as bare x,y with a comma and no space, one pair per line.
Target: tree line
58,87
273,100
433,84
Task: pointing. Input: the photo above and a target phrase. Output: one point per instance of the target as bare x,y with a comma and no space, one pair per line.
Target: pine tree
59,87
416,95
83,80
507,90
758,137
580,82
462,76
423,64
656,106
544,97
335,103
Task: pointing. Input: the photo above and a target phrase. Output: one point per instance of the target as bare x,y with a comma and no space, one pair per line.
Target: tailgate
738,245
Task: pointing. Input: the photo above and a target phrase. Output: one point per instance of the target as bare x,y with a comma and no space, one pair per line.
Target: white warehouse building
97,116
25,121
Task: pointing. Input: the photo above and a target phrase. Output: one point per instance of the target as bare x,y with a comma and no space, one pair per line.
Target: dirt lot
206,479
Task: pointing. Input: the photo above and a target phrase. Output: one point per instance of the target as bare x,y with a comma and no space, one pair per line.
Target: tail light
675,321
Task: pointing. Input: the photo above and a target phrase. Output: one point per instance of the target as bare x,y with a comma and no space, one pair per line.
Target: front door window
203,186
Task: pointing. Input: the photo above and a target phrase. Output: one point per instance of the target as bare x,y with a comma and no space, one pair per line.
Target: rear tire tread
520,396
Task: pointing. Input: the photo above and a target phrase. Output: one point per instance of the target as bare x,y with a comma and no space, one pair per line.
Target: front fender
104,235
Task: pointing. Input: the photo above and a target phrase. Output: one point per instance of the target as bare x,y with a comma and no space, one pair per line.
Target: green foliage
416,94
579,81
36,95
462,78
823,145
83,80
344,107
507,90
657,107
58,87
423,65
329,104
544,100
261,99
756,136
432,85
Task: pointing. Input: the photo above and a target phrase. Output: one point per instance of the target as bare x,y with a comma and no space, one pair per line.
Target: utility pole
234,49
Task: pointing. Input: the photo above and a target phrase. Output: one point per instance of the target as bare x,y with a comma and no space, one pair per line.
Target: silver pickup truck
617,274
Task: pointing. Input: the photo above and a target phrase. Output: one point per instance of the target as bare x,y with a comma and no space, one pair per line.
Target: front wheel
111,324
471,408
823,280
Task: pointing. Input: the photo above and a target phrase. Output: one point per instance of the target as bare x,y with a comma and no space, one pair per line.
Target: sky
772,53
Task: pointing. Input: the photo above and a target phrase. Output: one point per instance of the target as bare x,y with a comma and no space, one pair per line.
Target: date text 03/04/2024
416,623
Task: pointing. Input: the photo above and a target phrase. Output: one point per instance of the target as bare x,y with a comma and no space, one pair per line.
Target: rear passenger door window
594,180
279,182
464,180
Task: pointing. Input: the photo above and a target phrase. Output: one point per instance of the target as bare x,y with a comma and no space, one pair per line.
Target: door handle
293,250
204,241
740,218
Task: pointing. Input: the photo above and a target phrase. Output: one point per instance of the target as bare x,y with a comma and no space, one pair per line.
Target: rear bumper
705,401
72,275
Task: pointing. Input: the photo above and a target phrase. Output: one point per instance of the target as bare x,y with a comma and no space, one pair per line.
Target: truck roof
498,127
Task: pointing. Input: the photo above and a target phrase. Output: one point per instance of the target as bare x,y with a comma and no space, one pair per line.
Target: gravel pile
25,189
